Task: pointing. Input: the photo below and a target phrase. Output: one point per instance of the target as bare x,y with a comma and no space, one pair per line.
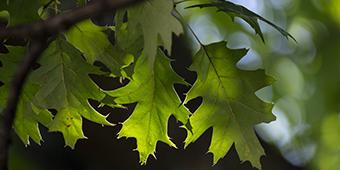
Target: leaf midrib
227,98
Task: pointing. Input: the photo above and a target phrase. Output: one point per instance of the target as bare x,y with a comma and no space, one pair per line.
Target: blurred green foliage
307,92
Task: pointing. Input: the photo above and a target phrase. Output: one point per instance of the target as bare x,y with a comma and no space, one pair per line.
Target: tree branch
40,32
62,22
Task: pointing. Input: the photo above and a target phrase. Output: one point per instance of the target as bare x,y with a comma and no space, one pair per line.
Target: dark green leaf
65,85
28,114
235,10
22,11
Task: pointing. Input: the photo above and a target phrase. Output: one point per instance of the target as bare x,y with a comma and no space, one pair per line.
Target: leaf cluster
142,41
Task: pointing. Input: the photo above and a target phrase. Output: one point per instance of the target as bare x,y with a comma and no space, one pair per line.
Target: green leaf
250,17
22,11
94,43
65,85
229,105
129,40
157,23
28,115
152,88
89,39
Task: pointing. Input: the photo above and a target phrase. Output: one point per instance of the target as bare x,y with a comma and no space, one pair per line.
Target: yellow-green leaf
152,88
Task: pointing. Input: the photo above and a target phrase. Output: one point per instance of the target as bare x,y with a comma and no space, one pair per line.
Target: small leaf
68,121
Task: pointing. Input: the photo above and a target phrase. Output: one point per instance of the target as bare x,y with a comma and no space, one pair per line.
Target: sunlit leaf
152,88
229,105
91,40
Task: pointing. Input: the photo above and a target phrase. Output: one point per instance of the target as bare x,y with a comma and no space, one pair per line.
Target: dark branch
64,21
35,50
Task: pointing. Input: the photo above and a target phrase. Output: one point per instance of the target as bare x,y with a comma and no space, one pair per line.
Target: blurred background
306,134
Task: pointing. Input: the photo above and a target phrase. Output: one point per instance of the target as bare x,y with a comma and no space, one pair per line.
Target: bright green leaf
152,88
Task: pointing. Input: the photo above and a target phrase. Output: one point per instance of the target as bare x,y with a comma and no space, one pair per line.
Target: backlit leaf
152,88
158,24
91,40
65,85
229,105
